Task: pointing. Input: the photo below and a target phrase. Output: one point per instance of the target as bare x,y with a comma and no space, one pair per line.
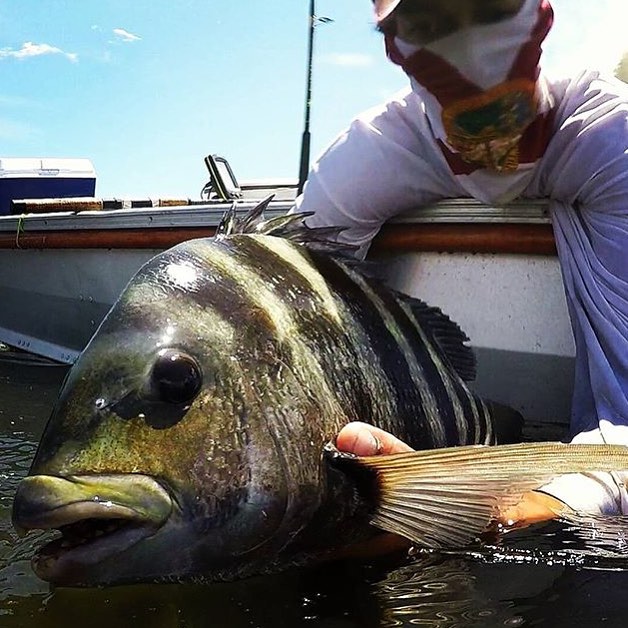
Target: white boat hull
513,309
53,300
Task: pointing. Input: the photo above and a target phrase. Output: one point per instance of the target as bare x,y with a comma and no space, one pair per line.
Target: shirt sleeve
586,168
586,173
383,164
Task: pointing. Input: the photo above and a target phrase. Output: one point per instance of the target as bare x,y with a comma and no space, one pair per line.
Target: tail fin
448,497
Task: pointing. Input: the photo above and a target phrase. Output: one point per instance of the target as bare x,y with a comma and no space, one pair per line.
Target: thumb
363,439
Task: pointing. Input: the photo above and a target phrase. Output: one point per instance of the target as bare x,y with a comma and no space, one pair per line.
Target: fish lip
74,566
98,516
79,511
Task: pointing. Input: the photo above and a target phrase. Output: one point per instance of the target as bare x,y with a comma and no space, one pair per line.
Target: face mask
482,92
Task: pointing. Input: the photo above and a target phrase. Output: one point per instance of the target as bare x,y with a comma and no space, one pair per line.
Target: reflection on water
443,592
542,578
439,593
26,398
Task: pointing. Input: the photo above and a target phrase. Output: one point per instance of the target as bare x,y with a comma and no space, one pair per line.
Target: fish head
165,456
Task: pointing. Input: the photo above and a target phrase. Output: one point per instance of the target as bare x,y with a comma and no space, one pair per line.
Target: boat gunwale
454,225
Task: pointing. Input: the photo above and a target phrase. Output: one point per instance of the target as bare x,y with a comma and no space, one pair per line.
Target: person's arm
386,162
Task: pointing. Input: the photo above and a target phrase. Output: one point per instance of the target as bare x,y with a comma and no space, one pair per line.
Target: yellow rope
20,230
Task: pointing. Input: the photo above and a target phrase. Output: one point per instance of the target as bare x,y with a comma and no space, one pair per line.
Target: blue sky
146,89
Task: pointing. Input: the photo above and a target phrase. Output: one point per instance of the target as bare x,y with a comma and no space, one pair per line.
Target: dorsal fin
447,334
290,227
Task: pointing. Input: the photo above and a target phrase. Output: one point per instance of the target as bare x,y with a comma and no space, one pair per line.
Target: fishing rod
304,162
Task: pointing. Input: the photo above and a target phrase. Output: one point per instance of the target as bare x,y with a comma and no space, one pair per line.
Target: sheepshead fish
189,438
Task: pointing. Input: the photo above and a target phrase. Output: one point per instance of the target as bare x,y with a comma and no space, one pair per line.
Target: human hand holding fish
452,495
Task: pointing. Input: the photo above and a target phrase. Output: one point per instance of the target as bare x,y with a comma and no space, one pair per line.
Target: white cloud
348,59
124,35
30,49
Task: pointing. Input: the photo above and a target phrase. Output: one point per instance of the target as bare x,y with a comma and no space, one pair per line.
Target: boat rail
454,225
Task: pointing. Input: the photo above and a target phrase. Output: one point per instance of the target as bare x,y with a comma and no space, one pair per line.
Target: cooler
44,178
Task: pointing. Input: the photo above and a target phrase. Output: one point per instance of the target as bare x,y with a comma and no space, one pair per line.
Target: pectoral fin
448,497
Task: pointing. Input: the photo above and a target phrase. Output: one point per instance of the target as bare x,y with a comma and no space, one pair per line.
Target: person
481,119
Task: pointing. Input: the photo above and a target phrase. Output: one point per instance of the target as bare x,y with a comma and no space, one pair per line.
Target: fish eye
176,377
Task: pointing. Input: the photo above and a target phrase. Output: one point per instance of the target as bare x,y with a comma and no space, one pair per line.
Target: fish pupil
176,377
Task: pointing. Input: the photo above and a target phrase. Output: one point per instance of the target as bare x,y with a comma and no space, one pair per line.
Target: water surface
540,578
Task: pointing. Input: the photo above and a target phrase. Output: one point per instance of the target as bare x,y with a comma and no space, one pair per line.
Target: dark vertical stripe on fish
392,360
311,321
434,375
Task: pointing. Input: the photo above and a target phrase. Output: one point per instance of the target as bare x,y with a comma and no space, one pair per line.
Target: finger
363,439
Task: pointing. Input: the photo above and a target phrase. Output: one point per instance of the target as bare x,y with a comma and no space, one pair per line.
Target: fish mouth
98,517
